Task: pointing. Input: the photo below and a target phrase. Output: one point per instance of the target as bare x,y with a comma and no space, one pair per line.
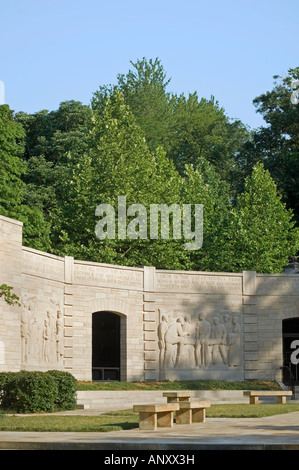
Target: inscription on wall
110,277
199,283
274,285
43,266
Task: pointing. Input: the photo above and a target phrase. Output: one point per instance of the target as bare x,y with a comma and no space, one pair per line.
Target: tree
277,144
13,189
202,184
118,164
11,167
188,128
55,142
201,129
262,233
144,89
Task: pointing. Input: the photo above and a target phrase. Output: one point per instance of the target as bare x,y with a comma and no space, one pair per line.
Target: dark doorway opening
105,346
290,334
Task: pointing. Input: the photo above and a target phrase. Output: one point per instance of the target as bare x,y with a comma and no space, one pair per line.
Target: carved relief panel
199,341
42,332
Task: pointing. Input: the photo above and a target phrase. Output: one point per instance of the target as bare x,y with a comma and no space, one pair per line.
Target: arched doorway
290,334
105,346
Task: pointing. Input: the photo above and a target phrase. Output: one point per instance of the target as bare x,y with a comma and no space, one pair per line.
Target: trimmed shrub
37,392
5,377
67,387
30,392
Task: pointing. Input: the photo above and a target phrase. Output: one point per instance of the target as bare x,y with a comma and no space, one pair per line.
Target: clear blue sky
57,50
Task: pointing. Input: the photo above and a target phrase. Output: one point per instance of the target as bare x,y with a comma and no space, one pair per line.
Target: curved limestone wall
173,324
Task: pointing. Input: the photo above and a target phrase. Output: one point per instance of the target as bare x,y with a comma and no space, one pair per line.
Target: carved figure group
204,343
41,341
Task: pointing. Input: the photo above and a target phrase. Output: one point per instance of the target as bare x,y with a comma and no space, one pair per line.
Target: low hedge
37,392
67,388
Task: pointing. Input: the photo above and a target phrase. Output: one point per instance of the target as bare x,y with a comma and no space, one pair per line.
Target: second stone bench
156,415
192,412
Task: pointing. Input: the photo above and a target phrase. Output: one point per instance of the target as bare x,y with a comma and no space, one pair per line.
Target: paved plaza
279,432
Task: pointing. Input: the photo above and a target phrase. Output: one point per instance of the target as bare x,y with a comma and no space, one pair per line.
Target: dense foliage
154,147
36,392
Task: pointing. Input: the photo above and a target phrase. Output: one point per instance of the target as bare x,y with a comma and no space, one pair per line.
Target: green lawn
122,420
58,423
180,385
244,410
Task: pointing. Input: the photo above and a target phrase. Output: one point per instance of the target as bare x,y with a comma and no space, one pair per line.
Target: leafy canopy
139,141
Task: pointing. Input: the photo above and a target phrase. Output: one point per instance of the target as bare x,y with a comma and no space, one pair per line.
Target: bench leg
147,421
165,419
183,416
191,416
151,421
281,399
253,400
199,416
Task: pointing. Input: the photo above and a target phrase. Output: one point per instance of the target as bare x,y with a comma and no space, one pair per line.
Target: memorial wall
100,321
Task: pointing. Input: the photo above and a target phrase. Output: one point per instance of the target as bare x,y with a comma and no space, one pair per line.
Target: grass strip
243,410
179,385
127,419
40,423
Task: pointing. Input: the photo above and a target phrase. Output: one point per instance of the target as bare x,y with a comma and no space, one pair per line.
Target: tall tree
145,90
120,164
276,145
201,129
262,233
11,167
188,128
54,143
12,188
203,185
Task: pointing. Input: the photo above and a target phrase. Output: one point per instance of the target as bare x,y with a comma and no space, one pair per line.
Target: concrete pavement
279,432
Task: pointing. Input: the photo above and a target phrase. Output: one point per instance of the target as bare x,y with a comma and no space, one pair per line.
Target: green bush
67,387
5,377
37,392
30,392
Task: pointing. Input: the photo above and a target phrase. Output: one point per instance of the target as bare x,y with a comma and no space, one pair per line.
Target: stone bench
255,394
158,415
177,397
192,412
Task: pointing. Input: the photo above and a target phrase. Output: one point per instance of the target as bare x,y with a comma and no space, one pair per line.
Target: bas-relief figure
209,342
173,340
41,335
163,325
202,333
